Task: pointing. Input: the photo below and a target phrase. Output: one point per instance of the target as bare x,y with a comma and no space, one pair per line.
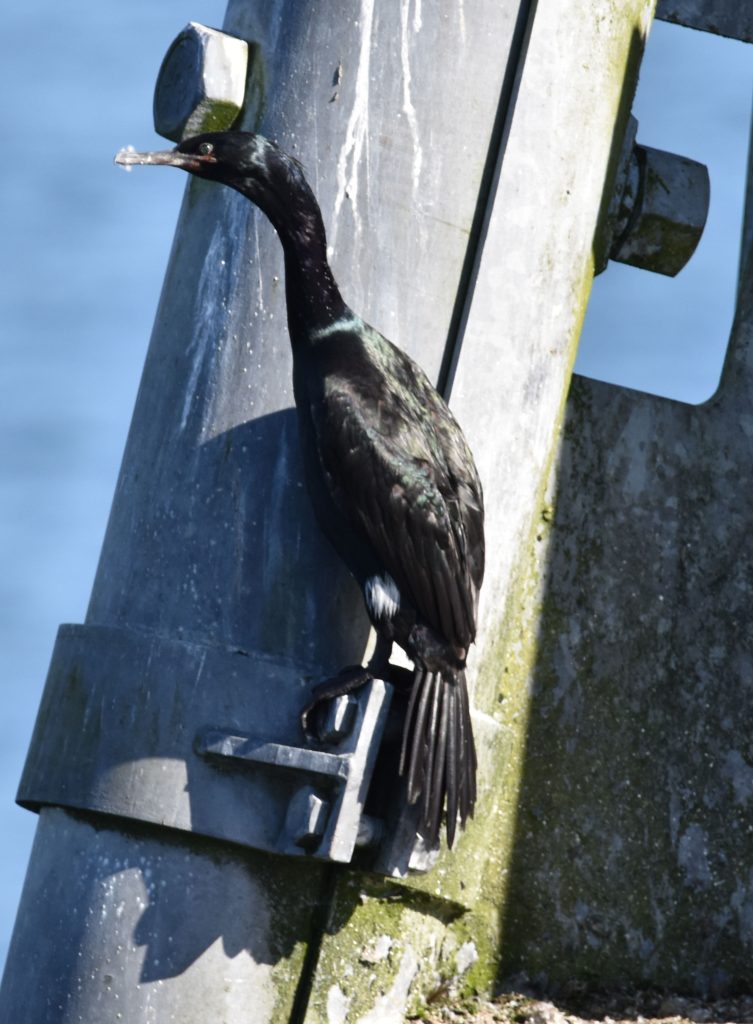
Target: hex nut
201,84
337,718
669,202
306,818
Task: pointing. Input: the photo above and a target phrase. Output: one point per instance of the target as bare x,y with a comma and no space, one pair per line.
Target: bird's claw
346,681
306,720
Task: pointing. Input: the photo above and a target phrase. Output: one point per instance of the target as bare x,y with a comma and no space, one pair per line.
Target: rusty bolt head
201,84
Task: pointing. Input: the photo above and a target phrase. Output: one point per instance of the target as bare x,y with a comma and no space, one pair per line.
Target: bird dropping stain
408,109
217,318
356,133
207,309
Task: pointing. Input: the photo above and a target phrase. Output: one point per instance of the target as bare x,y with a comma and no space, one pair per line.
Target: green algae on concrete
634,862
392,946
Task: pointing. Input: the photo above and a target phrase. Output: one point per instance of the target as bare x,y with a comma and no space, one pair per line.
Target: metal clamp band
199,738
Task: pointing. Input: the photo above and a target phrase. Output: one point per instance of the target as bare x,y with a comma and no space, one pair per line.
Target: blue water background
83,253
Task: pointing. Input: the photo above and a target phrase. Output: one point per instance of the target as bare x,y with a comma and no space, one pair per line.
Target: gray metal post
211,547
464,158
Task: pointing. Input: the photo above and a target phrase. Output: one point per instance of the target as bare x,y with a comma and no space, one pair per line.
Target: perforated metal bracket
202,739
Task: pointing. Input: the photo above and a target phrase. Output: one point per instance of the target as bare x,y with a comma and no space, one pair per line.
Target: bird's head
257,168
247,162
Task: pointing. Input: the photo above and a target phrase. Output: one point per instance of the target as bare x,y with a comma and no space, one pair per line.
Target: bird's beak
129,158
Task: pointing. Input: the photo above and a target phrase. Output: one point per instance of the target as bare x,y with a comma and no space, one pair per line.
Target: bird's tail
438,752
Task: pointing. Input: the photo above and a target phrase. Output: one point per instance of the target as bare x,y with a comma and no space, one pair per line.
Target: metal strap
203,739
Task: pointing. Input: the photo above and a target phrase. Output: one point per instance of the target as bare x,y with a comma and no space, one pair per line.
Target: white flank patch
382,596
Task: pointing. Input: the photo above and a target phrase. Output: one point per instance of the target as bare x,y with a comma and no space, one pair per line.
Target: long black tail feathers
438,753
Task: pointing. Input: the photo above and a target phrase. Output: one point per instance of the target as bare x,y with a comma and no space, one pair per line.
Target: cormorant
391,477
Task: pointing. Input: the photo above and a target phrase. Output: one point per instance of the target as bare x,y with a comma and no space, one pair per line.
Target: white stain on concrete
338,1005
408,109
461,22
356,133
466,957
215,308
260,278
390,1008
207,306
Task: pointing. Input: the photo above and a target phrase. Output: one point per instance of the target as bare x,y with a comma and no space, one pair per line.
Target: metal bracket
202,739
722,17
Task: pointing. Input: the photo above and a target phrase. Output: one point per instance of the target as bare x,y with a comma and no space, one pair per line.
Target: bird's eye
206,148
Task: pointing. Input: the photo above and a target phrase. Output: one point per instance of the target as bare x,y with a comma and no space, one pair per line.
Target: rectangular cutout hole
668,336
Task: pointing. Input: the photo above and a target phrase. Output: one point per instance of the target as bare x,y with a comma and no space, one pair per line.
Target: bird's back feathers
398,467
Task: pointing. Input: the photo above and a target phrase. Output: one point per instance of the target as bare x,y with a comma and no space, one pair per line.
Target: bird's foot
346,681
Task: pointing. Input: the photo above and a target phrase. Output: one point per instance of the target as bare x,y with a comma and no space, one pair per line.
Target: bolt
201,84
337,718
668,212
658,209
306,818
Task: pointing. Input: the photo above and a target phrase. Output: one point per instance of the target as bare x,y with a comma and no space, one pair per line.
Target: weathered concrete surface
522,320
634,846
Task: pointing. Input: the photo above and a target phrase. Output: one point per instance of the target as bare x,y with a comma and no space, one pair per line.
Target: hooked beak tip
129,157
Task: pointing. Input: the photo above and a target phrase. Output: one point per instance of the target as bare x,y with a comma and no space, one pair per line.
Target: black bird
391,477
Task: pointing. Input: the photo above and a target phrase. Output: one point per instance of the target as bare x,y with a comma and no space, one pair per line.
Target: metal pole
211,549
465,159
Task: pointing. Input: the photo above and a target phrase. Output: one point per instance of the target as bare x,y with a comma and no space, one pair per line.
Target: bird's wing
409,485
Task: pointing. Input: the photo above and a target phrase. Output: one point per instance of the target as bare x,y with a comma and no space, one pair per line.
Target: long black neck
313,298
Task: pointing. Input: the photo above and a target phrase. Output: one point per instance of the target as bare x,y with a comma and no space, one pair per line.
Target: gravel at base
640,1008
